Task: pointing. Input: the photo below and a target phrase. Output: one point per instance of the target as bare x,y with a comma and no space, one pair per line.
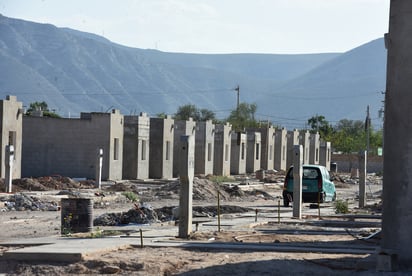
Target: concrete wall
267,135
161,148
346,162
314,149
304,140
238,153
325,154
11,122
221,162
204,147
281,144
293,139
181,128
254,149
69,147
136,147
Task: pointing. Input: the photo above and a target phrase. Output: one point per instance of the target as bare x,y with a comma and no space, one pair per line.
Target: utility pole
237,89
367,129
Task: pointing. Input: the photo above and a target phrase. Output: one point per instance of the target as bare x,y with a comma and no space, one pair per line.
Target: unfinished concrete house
325,154
314,148
304,140
253,154
267,136
293,139
161,148
221,162
181,128
281,142
238,153
136,145
69,147
11,112
204,147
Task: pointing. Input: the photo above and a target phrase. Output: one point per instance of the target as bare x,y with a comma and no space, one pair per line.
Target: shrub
130,196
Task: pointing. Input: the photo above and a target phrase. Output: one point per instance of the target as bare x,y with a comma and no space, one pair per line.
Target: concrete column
99,166
314,148
297,180
397,180
280,149
325,154
9,168
293,139
221,162
238,153
254,149
186,173
304,139
362,178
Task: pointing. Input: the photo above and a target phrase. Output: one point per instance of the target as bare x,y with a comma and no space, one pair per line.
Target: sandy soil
179,261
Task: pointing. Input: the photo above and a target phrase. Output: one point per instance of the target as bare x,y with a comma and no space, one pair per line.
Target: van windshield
308,173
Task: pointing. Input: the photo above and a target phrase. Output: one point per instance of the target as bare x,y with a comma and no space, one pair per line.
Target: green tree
41,106
243,117
318,123
187,111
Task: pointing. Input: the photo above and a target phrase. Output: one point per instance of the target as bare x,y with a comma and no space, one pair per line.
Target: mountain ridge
77,72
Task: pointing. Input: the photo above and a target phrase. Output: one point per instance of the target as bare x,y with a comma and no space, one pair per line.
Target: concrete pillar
238,153
204,144
99,166
161,147
9,168
362,178
136,146
304,140
254,149
397,180
325,154
293,139
221,162
280,149
314,148
181,128
268,148
186,174
297,180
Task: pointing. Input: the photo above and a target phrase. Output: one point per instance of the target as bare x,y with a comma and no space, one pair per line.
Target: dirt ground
132,260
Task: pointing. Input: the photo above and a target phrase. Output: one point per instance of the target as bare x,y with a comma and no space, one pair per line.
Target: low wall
346,162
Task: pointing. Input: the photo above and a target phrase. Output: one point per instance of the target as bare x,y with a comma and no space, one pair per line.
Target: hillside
75,71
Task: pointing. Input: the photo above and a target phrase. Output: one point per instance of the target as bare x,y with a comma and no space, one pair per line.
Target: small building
238,153
314,148
136,147
221,162
69,147
181,128
281,143
267,135
253,155
325,154
293,139
161,148
204,147
11,123
304,140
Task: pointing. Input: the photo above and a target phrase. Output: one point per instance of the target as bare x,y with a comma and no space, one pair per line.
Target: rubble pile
47,183
22,202
146,214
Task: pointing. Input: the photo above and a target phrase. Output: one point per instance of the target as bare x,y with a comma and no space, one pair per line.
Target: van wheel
334,197
285,202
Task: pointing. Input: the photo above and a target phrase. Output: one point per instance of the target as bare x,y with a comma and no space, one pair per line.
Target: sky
216,26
